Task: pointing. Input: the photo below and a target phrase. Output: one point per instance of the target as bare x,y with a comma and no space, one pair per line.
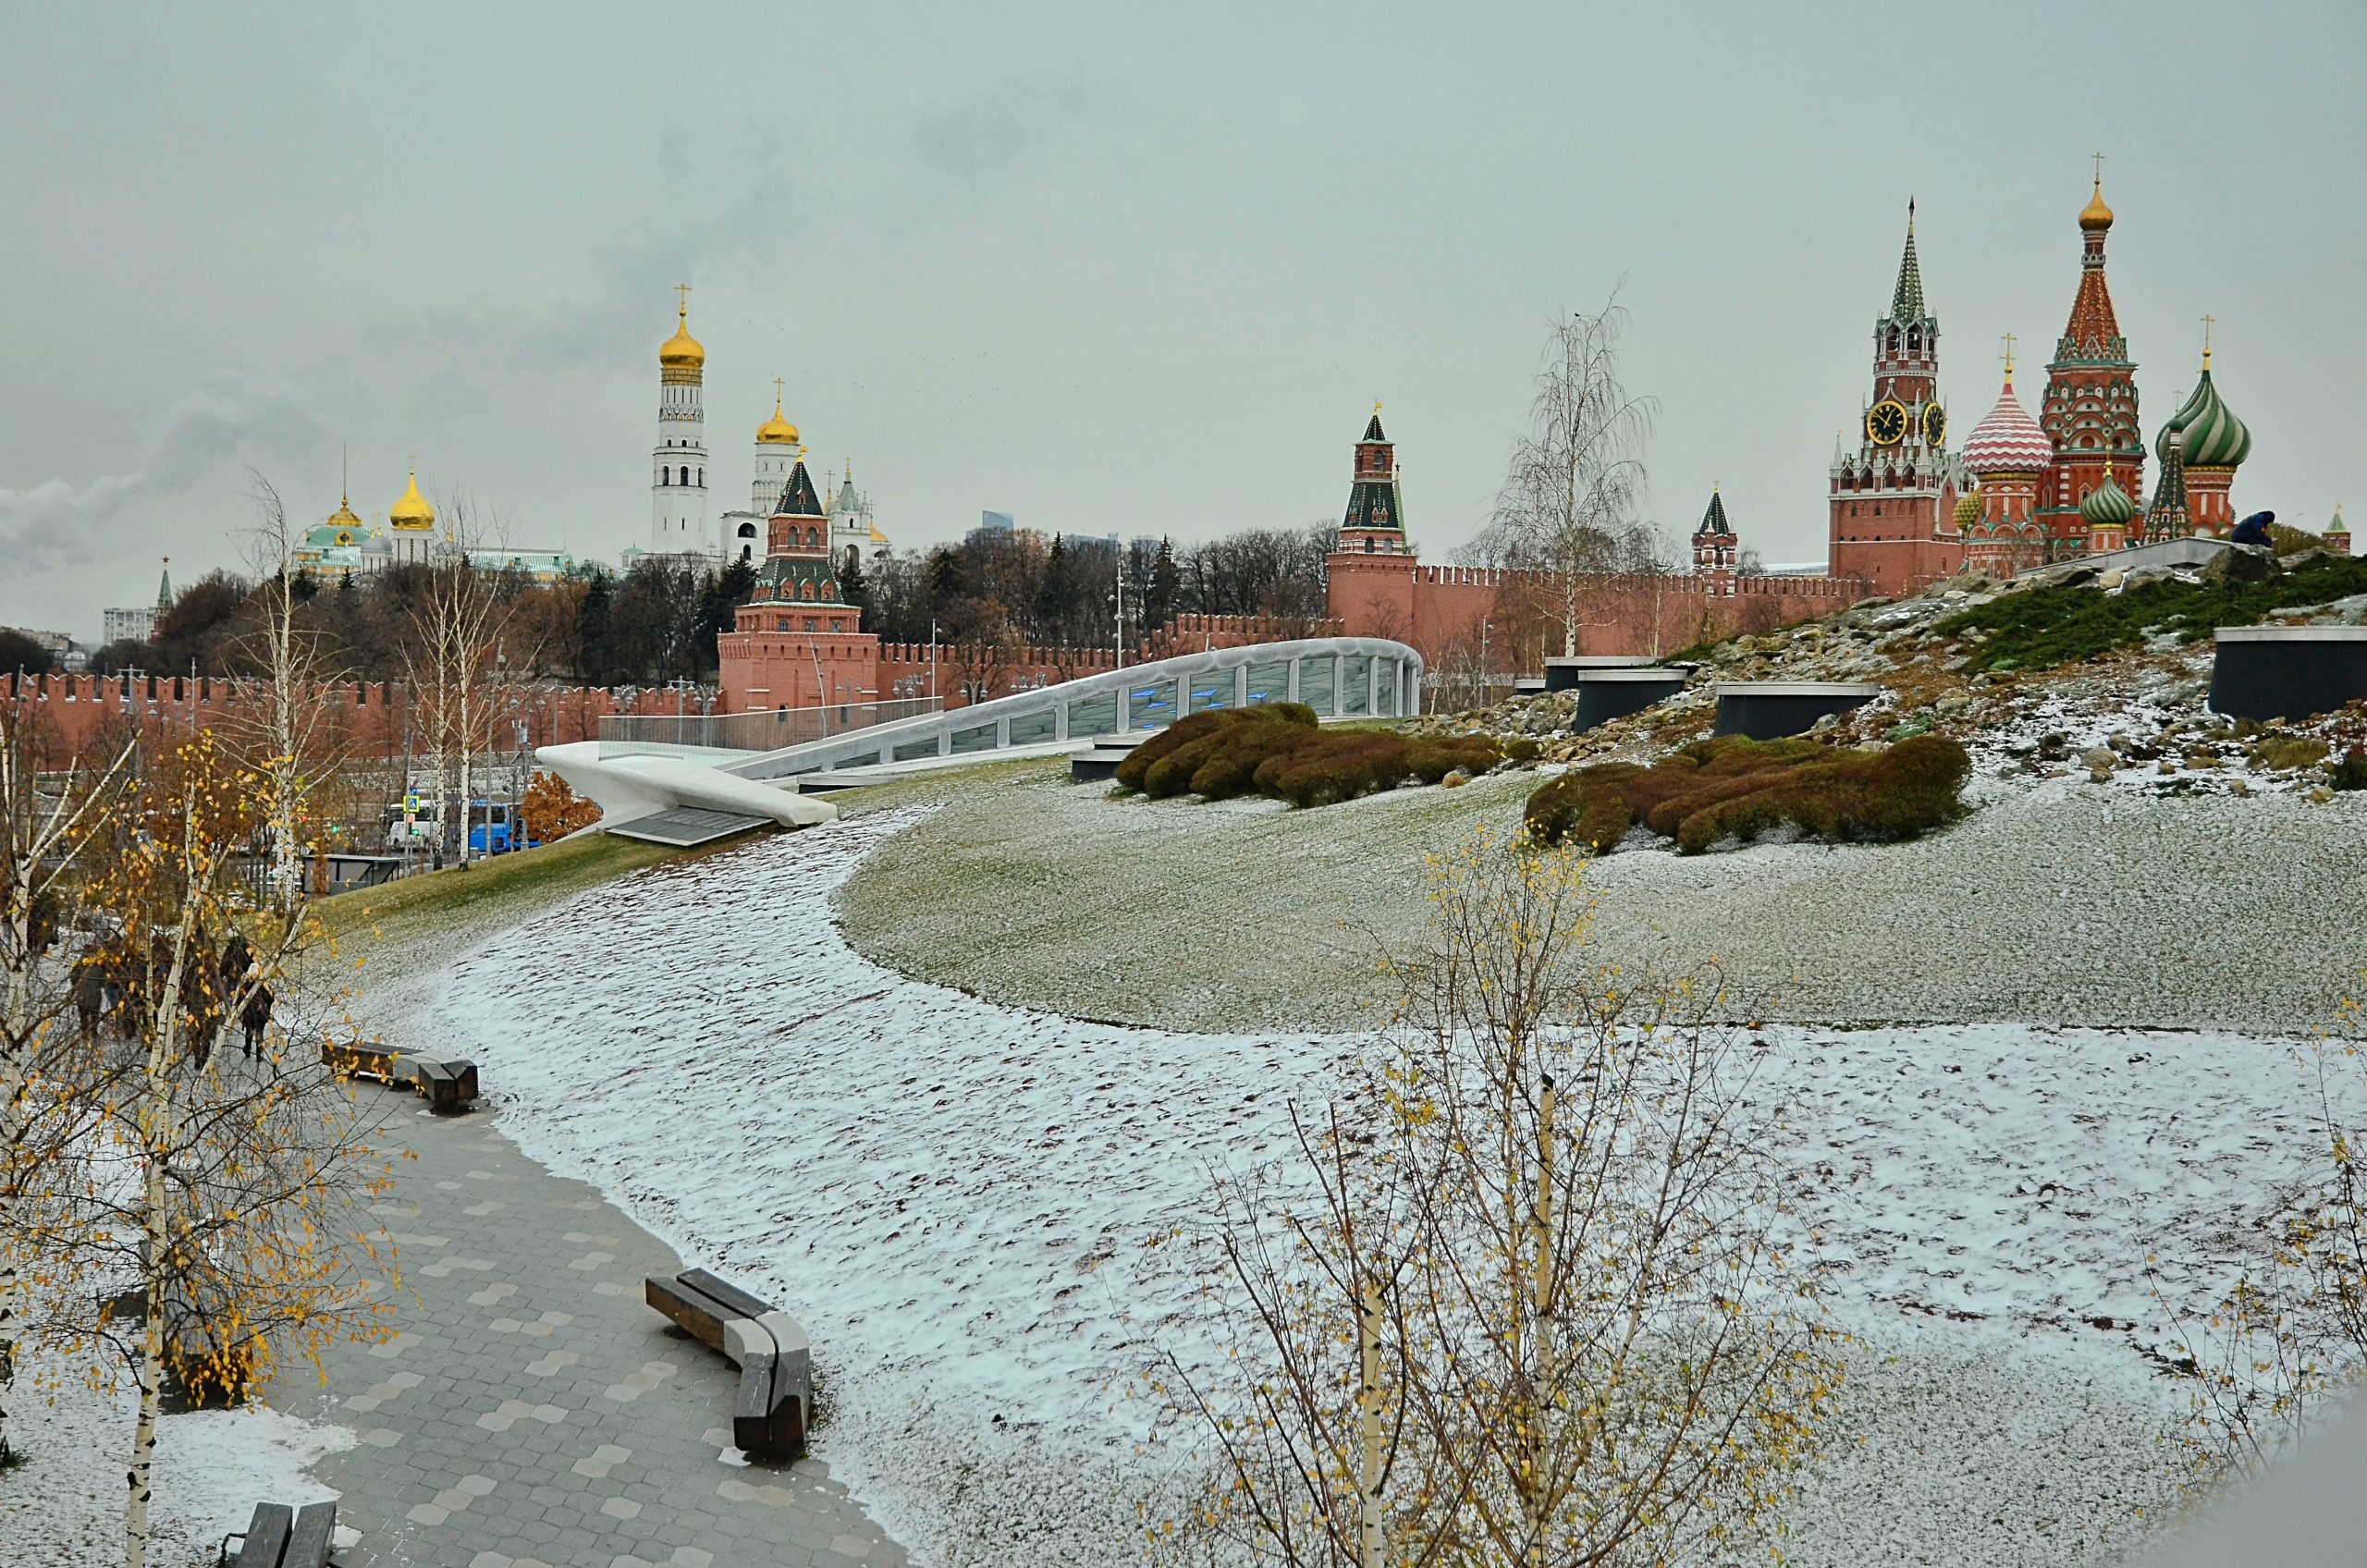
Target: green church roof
2214,436
2107,504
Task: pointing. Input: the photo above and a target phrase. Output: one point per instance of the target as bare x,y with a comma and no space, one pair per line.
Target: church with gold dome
679,521
341,544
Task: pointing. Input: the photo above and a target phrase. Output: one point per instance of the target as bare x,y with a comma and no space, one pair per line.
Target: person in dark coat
255,1016
2253,530
90,993
237,959
201,1001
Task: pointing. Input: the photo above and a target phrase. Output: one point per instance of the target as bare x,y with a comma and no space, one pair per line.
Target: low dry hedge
1277,749
1735,788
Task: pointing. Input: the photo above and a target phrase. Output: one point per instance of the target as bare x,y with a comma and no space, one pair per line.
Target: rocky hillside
2133,715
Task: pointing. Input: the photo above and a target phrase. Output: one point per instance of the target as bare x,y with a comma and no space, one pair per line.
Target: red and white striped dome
2007,440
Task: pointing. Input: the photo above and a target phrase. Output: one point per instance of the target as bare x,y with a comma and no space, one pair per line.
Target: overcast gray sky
1110,268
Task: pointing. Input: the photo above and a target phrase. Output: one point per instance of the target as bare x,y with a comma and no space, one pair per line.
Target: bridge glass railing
1209,689
764,730
1317,677
1150,707
1033,729
1094,716
1270,682
1385,677
977,738
1355,683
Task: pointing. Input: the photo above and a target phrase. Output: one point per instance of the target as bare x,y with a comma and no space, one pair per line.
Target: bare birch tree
222,1184
291,745
1309,1456
1568,508
43,1103
1638,1367
1597,1348
448,658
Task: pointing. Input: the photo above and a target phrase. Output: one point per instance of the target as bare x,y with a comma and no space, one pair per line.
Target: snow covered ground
955,1197
64,1507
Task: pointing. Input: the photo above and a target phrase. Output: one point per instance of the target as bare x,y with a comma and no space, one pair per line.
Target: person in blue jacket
2253,530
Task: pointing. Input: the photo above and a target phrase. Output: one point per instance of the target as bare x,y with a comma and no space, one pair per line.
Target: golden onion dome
682,352
412,510
344,517
777,431
2095,214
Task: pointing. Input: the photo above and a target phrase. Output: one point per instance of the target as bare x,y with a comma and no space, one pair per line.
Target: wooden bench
775,1360
280,1536
449,1087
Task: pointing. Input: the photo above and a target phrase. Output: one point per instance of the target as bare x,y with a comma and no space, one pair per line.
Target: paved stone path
534,1412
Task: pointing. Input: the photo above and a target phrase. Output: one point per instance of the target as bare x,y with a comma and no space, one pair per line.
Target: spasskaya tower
1894,499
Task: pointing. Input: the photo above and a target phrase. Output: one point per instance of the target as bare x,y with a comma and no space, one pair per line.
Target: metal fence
767,731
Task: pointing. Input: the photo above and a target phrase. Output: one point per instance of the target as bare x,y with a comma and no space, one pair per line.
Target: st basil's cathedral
2021,492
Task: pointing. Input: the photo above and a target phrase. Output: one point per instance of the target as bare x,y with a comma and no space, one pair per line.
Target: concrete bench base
2263,672
774,1359
449,1087
1609,694
1769,710
1098,765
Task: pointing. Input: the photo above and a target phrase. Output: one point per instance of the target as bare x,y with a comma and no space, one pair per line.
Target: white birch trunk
157,1134
149,1368
1368,1531
14,1068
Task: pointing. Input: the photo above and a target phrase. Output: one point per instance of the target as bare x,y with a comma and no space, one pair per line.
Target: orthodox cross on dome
2206,341
683,301
2009,356
777,386
2100,166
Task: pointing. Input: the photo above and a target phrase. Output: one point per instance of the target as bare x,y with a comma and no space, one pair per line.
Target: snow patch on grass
957,1197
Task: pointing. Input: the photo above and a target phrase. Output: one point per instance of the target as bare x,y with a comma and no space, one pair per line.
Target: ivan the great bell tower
1894,499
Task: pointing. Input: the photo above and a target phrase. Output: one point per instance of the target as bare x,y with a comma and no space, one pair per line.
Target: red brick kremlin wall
860,668
1435,608
371,717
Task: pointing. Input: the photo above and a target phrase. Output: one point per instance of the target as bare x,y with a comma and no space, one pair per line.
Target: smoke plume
55,523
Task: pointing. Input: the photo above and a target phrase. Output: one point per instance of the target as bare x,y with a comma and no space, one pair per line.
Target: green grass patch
1733,787
1278,750
503,888
2046,627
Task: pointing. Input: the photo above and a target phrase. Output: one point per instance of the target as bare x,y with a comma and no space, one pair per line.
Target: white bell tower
677,514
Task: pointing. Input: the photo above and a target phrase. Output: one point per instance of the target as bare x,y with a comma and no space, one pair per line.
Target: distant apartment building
135,624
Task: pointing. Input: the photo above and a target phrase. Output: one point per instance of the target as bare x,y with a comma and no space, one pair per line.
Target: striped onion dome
2007,440
1967,511
2214,436
2107,503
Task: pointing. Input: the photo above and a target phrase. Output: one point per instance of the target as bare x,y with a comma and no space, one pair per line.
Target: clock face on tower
1886,422
1936,424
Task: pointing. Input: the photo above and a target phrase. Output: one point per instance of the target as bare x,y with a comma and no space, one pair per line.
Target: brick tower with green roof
1891,522
797,642
1375,524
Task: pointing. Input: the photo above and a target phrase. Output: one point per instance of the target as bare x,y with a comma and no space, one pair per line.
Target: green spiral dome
2214,436
2107,504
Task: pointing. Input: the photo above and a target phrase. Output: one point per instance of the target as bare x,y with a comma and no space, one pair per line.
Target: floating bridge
640,768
